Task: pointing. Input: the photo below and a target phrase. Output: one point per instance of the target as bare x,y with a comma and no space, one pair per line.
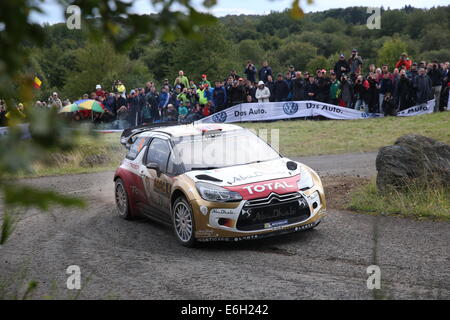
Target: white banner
300,109
423,108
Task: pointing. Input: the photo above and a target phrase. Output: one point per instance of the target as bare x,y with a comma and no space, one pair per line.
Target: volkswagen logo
220,117
290,108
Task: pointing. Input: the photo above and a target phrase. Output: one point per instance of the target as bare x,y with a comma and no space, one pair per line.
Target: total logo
260,188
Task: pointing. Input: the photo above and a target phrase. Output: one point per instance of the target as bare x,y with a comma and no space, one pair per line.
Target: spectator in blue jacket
219,97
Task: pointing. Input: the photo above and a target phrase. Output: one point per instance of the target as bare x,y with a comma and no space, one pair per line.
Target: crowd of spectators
380,90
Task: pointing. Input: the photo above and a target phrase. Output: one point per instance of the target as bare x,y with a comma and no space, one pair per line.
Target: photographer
404,62
436,76
250,71
402,91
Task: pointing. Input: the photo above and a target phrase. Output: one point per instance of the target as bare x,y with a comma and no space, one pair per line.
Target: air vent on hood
205,177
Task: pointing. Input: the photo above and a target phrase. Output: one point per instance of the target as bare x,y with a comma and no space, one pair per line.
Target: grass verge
92,154
417,201
306,138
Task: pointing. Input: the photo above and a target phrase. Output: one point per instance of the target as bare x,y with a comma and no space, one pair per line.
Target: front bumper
226,221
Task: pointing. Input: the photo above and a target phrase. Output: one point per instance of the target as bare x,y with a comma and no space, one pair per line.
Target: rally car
215,182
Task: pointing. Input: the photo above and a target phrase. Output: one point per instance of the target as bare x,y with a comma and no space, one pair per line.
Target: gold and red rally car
215,182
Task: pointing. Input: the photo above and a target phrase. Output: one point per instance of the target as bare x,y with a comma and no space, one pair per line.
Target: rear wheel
122,202
183,222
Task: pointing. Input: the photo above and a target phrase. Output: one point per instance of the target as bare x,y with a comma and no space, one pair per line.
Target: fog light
204,210
225,222
315,205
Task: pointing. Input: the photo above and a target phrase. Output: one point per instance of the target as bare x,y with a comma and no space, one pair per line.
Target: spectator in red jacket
404,62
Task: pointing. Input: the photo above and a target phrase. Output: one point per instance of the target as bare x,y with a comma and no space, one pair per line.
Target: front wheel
183,222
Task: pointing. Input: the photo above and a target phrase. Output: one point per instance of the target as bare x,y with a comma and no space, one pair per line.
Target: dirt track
141,259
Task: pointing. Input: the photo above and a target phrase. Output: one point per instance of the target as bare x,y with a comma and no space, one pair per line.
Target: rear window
137,147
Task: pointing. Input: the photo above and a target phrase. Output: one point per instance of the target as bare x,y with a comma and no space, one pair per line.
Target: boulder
413,157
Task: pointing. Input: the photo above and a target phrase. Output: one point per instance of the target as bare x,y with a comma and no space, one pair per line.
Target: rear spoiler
127,135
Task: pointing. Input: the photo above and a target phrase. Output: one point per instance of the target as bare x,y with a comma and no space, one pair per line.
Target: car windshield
222,149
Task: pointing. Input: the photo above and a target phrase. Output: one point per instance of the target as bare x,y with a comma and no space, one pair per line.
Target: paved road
141,259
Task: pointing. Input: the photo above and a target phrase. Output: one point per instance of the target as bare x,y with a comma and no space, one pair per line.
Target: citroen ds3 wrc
215,182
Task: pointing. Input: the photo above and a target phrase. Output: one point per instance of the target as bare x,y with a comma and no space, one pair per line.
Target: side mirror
153,166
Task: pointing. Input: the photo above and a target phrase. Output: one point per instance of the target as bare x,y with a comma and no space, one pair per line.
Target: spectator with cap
205,81
355,63
99,92
404,62
262,93
341,66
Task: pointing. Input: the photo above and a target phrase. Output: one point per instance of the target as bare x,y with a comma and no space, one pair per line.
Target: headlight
306,180
210,192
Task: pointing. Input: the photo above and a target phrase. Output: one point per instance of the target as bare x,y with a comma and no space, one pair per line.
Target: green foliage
295,53
319,62
390,51
212,55
100,64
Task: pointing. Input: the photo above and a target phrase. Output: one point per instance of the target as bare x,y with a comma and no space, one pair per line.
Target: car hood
245,174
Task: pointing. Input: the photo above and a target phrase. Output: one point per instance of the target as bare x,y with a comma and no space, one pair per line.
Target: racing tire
122,201
183,222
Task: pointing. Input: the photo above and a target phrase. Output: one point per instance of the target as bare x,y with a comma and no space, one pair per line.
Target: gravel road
141,259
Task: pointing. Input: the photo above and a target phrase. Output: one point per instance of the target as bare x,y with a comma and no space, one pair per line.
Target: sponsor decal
162,186
272,186
256,236
265,188
241,178
324,107
275,224
251,112
290,108
204,233
222,211
220,117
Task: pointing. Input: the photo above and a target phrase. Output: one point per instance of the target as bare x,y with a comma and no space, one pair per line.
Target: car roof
191,129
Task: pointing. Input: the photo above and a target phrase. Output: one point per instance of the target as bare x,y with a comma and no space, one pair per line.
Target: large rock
413,157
